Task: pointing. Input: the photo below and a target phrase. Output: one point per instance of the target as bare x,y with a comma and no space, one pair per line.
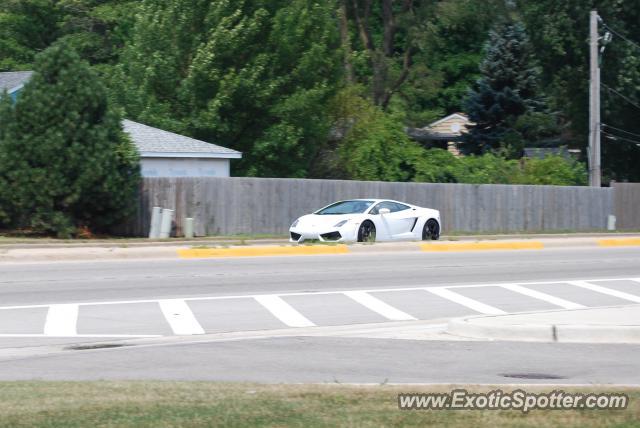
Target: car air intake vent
331,236
295,236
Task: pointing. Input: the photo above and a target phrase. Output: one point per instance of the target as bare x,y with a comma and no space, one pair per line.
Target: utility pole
595,174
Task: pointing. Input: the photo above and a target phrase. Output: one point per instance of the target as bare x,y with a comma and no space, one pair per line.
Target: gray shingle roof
12,79
154,142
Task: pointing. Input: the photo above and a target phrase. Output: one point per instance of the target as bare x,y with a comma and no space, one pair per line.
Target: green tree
561,30
507,90
373,144
64,158
446,64
255,75
6,117
26,27
95,28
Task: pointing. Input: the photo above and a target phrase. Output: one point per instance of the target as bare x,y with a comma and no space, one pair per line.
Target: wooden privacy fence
229,206
627,205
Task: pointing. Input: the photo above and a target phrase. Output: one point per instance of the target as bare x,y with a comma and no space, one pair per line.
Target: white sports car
367,220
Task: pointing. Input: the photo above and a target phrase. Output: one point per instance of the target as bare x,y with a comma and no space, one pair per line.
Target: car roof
375,200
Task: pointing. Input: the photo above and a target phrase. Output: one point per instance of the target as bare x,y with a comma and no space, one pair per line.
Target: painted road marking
605,290
543,296
465,301
61,320
378,306
115,336
180,318
483,246
315,293
620,242
283,311
258,251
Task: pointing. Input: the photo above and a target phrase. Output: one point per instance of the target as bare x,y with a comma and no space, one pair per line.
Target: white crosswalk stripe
543,296
283,311
378,306
465,301
296,309
61,320
180,318
605,290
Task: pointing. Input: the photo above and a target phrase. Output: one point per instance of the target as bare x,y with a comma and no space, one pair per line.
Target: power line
621,36
608,88
616,137
620,130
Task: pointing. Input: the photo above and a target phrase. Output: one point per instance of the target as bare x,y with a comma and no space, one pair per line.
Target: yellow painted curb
200,253
619,242
479,246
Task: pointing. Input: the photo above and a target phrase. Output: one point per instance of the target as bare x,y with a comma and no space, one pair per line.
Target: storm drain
96,346
531,376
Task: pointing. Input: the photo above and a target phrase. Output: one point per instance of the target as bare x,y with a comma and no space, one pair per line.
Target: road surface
372,317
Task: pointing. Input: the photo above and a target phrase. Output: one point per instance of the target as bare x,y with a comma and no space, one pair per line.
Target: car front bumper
332,234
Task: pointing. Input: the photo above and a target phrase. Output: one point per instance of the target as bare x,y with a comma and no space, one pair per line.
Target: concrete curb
219,241
198,250
497,327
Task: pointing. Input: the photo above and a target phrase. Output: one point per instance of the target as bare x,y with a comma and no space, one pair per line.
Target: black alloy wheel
367,232
431,230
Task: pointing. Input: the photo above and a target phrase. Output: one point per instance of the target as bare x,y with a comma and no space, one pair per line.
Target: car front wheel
431,230
367,232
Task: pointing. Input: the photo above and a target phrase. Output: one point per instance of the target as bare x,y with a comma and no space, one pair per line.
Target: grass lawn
201,404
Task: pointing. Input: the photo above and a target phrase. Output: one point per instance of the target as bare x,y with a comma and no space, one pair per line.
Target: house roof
449,128
154,142
13,80
460,116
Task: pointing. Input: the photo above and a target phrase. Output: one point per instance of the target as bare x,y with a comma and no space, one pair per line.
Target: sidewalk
616,324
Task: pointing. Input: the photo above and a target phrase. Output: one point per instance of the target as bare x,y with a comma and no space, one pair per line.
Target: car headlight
340,224
295,223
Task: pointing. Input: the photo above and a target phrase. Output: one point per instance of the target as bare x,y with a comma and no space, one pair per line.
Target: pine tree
507,90
64,159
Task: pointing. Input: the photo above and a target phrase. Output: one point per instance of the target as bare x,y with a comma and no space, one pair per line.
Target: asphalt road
48,307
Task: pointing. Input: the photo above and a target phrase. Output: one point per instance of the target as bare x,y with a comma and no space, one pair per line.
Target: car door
401,220
398,222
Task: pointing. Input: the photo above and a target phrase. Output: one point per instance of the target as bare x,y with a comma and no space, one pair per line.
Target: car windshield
346,207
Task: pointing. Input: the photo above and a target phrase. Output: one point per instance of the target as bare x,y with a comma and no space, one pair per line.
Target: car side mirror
383,211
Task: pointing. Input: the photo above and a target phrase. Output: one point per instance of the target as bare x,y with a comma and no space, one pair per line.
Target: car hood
323,221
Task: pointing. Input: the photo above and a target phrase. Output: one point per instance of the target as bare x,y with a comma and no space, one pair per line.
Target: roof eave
17,88
236,155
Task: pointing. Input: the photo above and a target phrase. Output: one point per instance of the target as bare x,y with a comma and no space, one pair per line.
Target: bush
374,145
64,160
554,170
440,166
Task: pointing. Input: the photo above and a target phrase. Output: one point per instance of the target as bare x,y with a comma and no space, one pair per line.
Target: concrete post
156,218
188,227
165,225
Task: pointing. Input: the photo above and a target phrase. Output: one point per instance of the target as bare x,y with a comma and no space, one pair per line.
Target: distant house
165,154
13,82
162,153
445,133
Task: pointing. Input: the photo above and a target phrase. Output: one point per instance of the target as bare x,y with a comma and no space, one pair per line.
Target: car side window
400,207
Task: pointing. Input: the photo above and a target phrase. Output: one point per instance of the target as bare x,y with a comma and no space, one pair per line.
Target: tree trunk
345,41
